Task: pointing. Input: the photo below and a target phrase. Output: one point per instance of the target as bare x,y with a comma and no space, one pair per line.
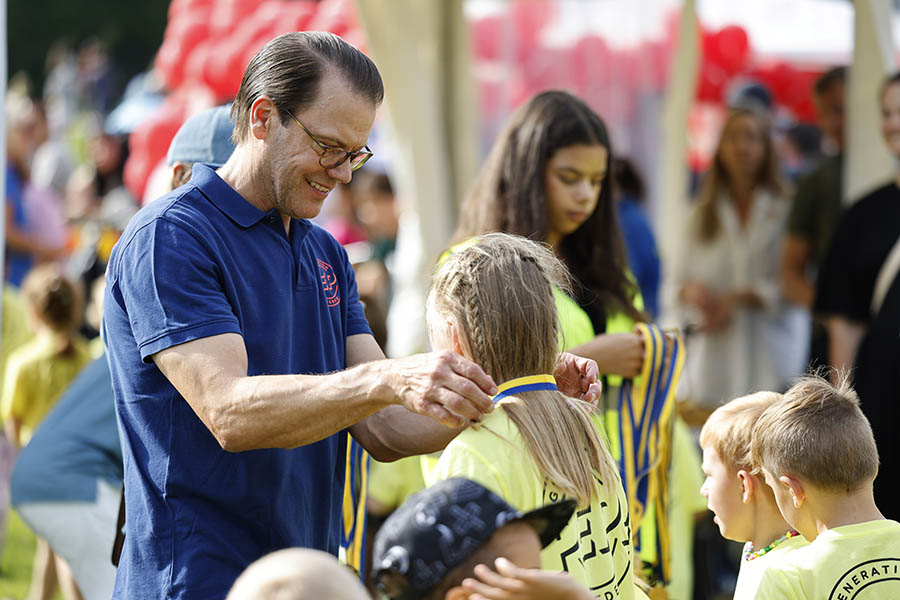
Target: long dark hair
509,195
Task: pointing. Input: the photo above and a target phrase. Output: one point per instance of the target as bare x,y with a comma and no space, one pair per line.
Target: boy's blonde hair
497,290
817,432
729,429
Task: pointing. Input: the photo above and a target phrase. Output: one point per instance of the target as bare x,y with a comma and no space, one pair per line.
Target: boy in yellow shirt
817,453
744,506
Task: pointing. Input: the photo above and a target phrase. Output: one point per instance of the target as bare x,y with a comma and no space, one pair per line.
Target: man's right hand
445,386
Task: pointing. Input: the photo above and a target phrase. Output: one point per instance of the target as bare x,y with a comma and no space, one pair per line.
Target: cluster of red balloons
516,63
206,47
208,43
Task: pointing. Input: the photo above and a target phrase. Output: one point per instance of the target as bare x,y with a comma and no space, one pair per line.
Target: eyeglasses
334,156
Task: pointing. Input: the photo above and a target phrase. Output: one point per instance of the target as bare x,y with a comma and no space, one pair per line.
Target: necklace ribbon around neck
530,383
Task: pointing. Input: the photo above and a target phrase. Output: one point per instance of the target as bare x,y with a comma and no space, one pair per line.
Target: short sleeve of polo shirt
170,286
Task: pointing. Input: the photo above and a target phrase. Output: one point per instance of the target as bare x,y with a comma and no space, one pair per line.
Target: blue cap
204,138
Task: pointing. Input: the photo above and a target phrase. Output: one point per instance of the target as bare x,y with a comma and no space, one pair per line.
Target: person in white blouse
724,284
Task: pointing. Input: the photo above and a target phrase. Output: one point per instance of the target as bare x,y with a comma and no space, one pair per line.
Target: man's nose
342,172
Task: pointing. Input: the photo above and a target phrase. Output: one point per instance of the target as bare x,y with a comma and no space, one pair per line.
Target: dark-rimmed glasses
334,156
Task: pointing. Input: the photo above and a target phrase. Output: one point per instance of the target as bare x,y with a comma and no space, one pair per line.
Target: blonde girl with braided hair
492,300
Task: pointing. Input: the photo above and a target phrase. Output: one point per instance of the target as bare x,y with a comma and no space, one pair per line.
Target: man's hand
578,377
445,386
510,582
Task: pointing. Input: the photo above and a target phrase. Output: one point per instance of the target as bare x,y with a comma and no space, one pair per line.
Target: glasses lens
359,160
332,158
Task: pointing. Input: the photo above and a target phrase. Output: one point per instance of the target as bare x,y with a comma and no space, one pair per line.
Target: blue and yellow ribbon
531,383
646,421
353,531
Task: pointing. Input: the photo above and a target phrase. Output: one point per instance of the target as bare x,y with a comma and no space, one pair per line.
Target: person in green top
547,178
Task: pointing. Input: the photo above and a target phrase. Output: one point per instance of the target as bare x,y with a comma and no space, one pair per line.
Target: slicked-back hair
498,292
289,70
817,432
510,195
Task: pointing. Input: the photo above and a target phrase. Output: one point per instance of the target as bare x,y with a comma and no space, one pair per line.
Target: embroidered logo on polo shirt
329,283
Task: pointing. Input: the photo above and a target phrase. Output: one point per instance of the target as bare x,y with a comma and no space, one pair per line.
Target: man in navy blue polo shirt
238,348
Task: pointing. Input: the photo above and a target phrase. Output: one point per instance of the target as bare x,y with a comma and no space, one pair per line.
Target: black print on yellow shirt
591,551
867,580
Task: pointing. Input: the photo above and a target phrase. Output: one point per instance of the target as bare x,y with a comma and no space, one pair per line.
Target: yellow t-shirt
860,561
595,547
35,379
390,484
752,571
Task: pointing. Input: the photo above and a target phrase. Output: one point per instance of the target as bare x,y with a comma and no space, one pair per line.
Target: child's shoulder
495,438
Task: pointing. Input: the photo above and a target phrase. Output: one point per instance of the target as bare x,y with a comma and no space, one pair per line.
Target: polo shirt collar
224,197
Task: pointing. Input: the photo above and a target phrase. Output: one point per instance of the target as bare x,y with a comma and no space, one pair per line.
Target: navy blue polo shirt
199,262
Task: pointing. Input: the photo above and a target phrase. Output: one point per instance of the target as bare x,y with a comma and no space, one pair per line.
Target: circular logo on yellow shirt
879,578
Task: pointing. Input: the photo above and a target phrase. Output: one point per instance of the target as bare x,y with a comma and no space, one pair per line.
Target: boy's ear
749,483
795,487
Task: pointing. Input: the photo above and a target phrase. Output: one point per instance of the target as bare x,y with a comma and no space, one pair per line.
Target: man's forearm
394,432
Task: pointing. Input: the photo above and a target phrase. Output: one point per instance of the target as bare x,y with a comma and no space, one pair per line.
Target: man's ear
456,593
263,116
749,483
795,486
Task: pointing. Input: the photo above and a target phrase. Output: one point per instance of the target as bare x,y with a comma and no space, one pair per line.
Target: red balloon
530,17
591,59
732,49
487,37
711,83
336,16
196,63
148,144
227,70
136,172
228,14
179,8
298,14
181,38
551,68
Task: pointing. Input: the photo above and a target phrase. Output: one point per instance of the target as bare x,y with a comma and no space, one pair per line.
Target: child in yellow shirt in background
38,372
816,450
492,301
744,506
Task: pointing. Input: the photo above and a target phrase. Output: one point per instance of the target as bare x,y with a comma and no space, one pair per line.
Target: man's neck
242,174
832,510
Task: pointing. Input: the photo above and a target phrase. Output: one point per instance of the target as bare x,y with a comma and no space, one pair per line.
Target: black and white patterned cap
439,527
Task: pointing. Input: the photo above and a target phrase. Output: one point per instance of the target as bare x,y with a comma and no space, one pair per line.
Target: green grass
18,553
